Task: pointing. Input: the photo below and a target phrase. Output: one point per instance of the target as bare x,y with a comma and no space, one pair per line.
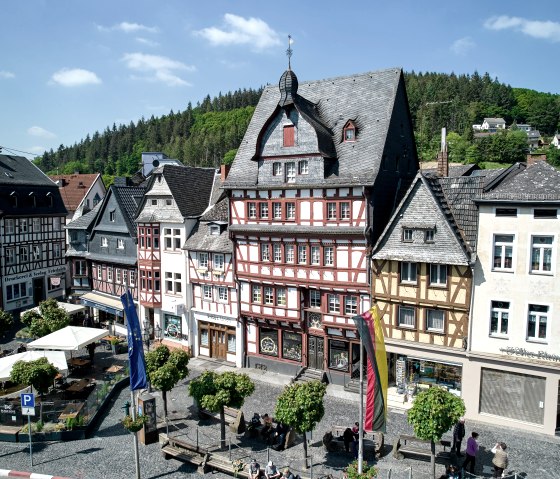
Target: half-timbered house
315,179
32,235
176,196
112,253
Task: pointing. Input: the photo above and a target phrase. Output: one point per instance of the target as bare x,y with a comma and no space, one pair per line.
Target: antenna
289,52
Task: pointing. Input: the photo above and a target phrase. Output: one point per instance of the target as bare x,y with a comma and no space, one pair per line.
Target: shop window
252,210
204,337
268,341
503,252
435,320
291,346
334,303
338,355
438,275
16,291
231,343
499,317
172,326
431,373
407,317
408,272
277,168
541,254
537,321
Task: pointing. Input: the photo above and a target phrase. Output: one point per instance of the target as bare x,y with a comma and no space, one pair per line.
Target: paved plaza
109,454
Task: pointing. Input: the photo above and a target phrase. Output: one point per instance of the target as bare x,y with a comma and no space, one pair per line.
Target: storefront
217,337
106,311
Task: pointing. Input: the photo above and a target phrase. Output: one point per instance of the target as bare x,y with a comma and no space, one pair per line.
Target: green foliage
229,157
367,471
166,368
6,322
39,373
553,156
434,412
300,405
51,317
134,425
213,391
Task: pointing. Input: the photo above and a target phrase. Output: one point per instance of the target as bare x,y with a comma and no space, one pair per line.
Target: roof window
349,132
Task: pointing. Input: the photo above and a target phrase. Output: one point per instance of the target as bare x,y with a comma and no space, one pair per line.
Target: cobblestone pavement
109,453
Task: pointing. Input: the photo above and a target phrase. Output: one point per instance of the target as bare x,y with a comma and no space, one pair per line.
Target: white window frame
256,293
99,272
203,260
344,210
351,305
265,252
289,250
9,225
277,210
263,210
218,262
207,292
118,276
315,298
502,244
542,248
408,235
277,252
331,211
222,294
132,278
109,274
438,275
431,319
23,253
280,296
268,295
409,272
315,254
539,317
302,254
290,210
333,303
252,210
502,311
406,324
124,276
10,256
37,253
120,243
36,225
303,166
104,242
328,255
290,172
277,168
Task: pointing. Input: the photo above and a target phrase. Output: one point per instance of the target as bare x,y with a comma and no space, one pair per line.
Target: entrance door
315,352
38,290
218,343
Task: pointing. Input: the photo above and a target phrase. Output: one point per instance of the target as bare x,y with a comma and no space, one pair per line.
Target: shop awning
103,303
68,307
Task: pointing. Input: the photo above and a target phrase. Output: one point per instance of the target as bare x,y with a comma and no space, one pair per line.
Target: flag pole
135,435
361,425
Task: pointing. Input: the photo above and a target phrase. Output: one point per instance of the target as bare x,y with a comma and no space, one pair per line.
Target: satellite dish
155,163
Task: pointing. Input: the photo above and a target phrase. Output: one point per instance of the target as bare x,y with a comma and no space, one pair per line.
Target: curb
30,475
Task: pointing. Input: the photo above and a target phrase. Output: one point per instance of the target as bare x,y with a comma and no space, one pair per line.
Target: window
203,260
544,213
331,211
334,303
16,291
36,225
265,252
231,343
328,254
9,223
277,252
22,223
503,252
268,341
214,230
252,210
289,135
291,172
172,282
80,267
281,297
429,236
256,293
315,254
154,202
541,254
206,291
536,326
112,216
57,250
277,211
438,274
344,210
506,212
99,272
57,224
499,316
277,168
435,320
315,298
172,326
291,345
109,274
302,254
118,276
10,256
218,262
289,250
104,242
407,235
350,131
338,355
124,276
303,166
168,202
407,317
290,211
132,278
350,305
408,272
23,254
37,253
263,210
268,294
222,293
120,243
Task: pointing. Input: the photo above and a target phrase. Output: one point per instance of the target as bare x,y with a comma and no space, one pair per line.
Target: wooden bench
334,441
234,418
412,446
9,433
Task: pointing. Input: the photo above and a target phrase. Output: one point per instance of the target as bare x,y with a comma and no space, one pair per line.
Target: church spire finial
289,52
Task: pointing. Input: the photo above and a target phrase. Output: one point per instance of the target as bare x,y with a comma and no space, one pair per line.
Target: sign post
28,408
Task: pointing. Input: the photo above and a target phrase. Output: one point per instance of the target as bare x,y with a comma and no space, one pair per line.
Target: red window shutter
289,135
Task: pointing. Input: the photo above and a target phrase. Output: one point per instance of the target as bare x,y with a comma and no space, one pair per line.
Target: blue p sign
27,400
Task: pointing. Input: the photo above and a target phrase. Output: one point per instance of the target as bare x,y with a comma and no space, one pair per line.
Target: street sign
28,411
28,404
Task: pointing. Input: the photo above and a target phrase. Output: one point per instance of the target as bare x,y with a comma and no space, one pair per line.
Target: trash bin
147,407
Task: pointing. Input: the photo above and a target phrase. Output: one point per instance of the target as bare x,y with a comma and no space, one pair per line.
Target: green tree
300,406
214,391
433,413
165,369
6,322
51,317
229,156
457,147
39,374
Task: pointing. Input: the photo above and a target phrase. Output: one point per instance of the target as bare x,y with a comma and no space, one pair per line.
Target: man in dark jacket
458,435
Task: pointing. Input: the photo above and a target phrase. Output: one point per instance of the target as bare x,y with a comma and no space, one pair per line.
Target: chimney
443,161
224,170
532,159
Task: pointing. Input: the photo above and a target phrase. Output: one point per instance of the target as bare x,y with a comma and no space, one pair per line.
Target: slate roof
327,105
454,170
129,199
18,170
537,182
86,221
201,240
219,212
73,188
494,120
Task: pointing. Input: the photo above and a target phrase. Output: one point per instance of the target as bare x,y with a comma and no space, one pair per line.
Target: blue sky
71,67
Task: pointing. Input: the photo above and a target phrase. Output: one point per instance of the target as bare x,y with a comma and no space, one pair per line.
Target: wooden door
315,352
218,349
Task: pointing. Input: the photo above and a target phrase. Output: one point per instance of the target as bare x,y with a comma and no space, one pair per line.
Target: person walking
500,459
470,452
458,435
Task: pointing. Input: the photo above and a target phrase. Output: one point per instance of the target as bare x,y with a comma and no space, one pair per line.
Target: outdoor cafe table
78,387
71,410
79,362
115,368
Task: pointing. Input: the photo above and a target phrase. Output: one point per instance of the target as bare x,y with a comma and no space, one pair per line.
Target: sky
69,68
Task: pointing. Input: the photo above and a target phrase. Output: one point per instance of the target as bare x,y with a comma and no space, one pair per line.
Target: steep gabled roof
73,188
18,170
86,221
129,198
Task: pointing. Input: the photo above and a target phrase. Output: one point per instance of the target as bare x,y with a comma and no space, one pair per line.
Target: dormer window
32,199
50,200
289,135
13,197
276,168
112,216
214,229
349,131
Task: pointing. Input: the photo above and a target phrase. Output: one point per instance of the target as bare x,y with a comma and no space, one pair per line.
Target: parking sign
28,404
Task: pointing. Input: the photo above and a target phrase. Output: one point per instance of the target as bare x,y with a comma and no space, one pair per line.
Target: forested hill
209,132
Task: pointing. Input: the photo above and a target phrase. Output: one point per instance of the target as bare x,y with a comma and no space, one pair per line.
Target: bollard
267,455
410,473
197,438
389,473
229,446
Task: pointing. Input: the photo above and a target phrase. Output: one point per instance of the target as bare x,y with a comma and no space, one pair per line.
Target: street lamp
147,333
158,333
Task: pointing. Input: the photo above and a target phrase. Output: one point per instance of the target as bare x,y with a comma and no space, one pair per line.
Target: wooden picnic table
78,387
79,362
72,410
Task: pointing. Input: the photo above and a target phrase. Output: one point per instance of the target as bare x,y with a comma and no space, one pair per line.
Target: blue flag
138,379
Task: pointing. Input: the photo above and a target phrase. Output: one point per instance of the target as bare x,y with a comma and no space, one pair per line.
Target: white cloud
157,68
546,30
40,132
241,31
75,77
5,74
37,149
462,46
146,41
128,27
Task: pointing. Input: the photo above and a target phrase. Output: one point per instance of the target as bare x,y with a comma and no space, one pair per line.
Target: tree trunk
305,461
222,428
164,397
433,458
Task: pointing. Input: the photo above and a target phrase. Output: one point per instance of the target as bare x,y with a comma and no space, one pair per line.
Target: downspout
469,338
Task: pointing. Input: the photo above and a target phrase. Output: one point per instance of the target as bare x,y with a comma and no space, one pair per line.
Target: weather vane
289,52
